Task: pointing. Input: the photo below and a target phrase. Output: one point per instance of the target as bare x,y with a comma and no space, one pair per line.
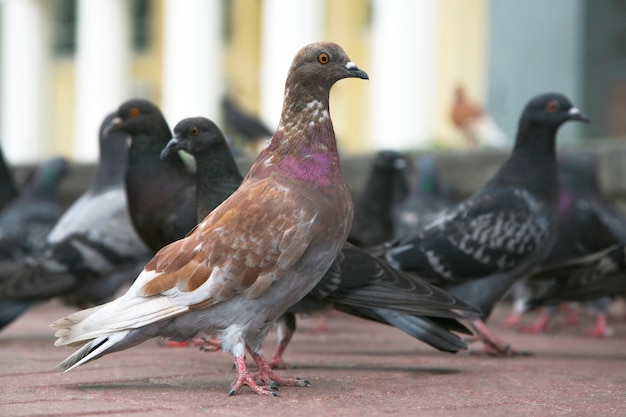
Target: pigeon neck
113,161
217,177
304,145
44,187
532,163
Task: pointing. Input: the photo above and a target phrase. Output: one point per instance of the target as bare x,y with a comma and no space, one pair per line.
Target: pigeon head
137,116
323,64
52,171
195,135
552,109
314,70
541,119
304,143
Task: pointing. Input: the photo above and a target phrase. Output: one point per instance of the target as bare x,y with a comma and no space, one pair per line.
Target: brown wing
243,246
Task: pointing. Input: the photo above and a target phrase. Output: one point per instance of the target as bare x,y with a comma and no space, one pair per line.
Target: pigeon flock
205,256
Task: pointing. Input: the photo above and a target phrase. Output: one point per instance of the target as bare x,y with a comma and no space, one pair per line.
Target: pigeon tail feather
90,351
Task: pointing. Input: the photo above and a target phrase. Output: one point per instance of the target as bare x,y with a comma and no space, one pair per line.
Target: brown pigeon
252,257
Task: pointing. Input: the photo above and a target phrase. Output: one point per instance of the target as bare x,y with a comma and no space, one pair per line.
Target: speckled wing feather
363,281
492,232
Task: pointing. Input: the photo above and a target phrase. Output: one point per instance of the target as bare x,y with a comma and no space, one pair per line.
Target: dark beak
575,114
356,72
171,146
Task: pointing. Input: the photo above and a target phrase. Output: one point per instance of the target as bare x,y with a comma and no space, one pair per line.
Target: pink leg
539,326
513,320
322,324
208,345
267,376
600,329
572,318
244,378
493,344
277,361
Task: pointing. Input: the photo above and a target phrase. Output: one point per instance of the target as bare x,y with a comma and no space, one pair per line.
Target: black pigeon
588,222
242,125
428,198
480,248
8,188
374,209
93,249
161,192
358,283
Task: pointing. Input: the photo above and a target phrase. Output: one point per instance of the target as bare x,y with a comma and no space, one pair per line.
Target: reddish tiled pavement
357,368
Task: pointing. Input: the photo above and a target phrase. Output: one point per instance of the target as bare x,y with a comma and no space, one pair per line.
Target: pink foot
207,345
174,343
244,378
322,325
600,329
494,346
267,376
539,326
513,320
572,318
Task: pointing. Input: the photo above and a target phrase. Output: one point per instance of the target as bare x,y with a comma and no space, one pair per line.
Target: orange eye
134,112
553,106
323,58
193,131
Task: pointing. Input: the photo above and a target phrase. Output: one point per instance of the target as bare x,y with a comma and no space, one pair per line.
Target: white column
287,26
102,69
192,59
25,80
402,73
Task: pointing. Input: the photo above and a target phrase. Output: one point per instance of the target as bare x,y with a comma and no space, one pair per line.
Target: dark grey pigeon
25,223
385,189
357,284
93,249
217,174
480,248
161,191
428,198
588,222
583,279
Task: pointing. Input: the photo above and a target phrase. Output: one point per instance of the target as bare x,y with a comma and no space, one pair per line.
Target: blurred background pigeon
375,207
24,225
476,124
92,250
427,199
245,129
27,220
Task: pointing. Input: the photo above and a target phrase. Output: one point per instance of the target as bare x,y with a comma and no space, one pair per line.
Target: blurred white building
64,64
